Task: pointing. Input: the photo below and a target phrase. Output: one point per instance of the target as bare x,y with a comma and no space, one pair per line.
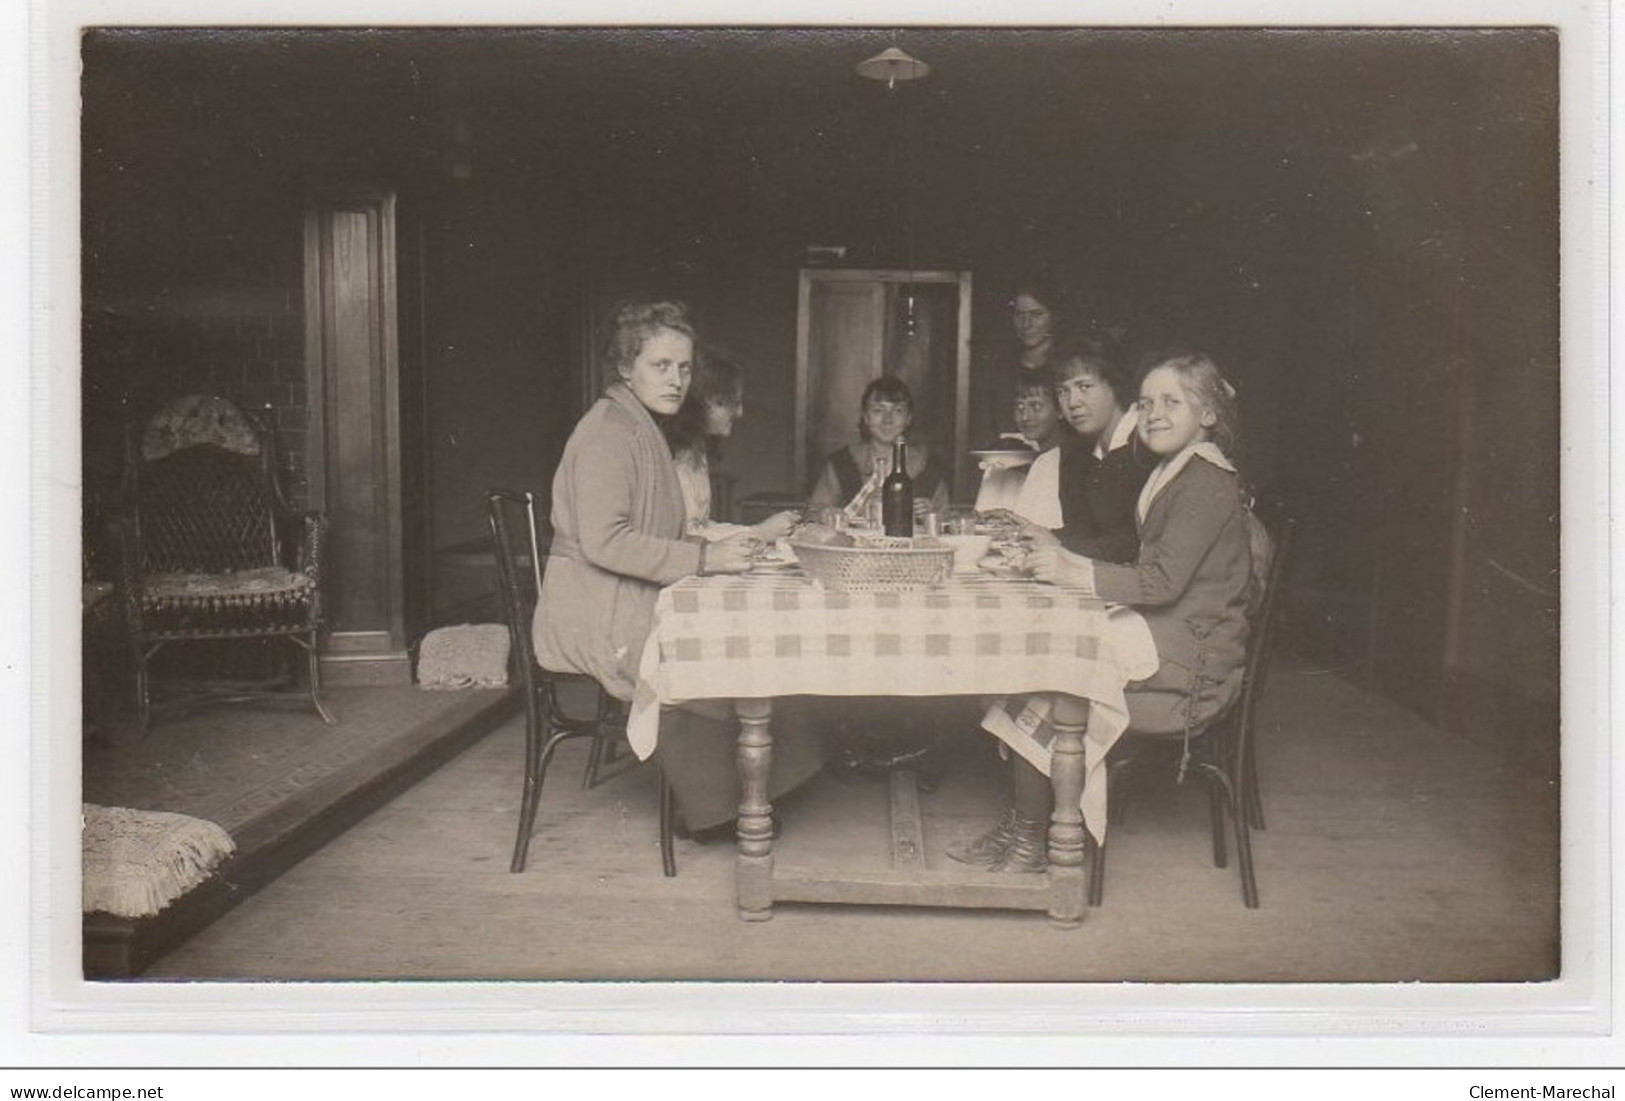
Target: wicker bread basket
867,569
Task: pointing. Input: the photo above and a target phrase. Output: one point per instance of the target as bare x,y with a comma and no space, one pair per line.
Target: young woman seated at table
887,411
715,403
875,735
1082,495
1039,427
618,537
1191,581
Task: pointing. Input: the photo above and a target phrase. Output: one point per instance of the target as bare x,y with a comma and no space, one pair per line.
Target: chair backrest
1261,544
202,492
1261,626
513,541
195,419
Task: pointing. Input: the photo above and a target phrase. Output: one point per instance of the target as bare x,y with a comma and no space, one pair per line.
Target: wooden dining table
759,636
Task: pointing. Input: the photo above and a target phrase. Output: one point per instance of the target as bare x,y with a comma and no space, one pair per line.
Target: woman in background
715,403
1035,309
1038,322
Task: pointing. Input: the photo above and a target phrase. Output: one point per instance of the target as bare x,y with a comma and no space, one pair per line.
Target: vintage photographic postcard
308,287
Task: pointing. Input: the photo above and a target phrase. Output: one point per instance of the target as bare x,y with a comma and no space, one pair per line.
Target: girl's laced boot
989,848
1028,850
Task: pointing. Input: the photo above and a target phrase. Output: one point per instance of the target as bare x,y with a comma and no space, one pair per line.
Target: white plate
775,567
1005,458
776,553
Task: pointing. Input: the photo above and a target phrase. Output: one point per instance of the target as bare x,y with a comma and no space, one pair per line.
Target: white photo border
66,1021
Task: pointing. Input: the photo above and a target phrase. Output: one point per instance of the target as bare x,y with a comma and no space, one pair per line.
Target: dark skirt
881,726
697,754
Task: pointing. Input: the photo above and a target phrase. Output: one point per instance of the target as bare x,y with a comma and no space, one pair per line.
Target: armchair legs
143,690
314,674
142,653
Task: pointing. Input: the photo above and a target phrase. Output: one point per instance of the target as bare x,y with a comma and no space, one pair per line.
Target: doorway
853,326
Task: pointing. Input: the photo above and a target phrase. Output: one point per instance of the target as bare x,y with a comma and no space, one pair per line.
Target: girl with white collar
1191,582
1194,572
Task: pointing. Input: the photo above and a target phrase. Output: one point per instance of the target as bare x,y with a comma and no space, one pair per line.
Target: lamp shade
892,65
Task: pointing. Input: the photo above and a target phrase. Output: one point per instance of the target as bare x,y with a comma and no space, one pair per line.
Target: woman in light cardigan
619,536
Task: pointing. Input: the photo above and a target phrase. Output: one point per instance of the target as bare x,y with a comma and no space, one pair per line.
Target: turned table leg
753,877
1069,717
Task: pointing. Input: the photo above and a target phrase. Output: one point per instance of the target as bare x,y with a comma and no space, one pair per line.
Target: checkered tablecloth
768,635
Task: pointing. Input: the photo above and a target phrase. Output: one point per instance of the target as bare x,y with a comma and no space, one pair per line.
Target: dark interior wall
1501,636
500,386
1360,226
1430,338
242,339
193,204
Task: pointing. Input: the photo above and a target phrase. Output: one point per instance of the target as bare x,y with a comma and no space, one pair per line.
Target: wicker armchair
208,552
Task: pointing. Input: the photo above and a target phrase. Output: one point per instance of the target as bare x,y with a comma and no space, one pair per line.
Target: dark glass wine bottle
897,494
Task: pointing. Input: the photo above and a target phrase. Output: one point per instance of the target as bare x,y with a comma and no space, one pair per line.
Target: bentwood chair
548,721
1220,751
209,552
1272,532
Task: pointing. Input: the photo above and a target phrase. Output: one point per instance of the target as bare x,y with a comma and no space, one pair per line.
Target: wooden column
353,374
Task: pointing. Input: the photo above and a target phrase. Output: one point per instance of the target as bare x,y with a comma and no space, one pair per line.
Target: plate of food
791,568
1005,558
1000,524
999,565
1004,458
776,555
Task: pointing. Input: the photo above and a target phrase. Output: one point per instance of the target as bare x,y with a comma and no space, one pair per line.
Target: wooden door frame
374,652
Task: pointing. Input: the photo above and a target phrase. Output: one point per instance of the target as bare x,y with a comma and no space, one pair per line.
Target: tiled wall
246,345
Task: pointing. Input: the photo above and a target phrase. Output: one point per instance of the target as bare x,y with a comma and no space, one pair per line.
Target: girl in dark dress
887,413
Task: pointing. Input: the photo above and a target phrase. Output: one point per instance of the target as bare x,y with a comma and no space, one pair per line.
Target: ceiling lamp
892,65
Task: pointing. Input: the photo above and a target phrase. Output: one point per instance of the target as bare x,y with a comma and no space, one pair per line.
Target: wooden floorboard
1396,852
315,785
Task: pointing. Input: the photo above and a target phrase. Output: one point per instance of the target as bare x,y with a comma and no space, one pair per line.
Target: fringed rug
471,655
136,862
